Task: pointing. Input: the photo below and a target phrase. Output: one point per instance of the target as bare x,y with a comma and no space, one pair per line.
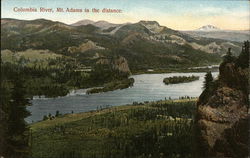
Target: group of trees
243,59
14,129
51,117
114,85
21,80
56,79
180,79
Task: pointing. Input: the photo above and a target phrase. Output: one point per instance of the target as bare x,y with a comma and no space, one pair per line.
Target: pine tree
57,113
207,85
243,59
229,56
45,117
17,129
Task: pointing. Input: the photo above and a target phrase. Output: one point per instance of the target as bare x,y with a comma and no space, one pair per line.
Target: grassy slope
68,118
29,54
97,133
30,57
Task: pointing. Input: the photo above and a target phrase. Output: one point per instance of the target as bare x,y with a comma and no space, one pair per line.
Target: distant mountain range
144,45
210,31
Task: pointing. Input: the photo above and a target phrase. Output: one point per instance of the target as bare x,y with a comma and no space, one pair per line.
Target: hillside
55,57
145,44
154,129
101,24
223,110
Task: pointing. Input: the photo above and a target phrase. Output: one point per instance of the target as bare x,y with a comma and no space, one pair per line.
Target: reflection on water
147,87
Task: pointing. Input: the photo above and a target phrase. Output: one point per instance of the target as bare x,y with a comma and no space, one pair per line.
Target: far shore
187,70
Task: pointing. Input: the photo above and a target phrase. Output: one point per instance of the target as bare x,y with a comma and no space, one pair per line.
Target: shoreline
136,73
70,117
160,71
89,132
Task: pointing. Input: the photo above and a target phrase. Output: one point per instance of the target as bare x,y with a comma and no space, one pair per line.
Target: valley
146,87
99,89
88,54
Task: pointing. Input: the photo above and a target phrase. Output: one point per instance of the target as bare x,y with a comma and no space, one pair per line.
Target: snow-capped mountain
208,28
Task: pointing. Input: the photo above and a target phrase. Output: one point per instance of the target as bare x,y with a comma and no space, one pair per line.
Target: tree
207,84
4,97
50,116
45,117
57,113
229,57
243,59
17,129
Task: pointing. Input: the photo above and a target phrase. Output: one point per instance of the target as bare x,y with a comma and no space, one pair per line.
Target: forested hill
144,45
222,117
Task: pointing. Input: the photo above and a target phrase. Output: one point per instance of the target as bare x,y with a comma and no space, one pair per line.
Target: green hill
145,44
141,130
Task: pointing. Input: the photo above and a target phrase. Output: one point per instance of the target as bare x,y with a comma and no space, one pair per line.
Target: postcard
124,79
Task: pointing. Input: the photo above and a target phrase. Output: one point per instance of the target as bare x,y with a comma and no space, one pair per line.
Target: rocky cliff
117,63
223,117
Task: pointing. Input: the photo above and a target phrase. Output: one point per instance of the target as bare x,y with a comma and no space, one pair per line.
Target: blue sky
181,14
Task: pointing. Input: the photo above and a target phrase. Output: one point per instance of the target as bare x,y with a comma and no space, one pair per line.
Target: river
147,87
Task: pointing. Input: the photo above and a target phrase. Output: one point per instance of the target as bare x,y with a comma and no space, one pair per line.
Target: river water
147,87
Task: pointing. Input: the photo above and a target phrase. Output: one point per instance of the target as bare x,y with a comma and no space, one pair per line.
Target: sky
178,15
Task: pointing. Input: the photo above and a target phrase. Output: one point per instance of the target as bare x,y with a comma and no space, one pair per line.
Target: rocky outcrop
222,120
89,45
117,63
153,26
121,64
214,47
